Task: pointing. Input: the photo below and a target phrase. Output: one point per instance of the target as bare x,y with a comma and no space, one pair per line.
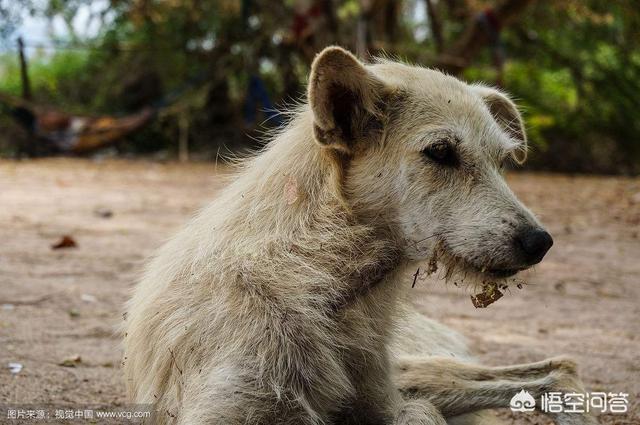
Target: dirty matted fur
281,302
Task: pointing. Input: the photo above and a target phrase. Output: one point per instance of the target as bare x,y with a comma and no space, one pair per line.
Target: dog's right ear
346,100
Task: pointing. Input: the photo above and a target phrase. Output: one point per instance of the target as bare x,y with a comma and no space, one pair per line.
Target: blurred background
141,97
201,78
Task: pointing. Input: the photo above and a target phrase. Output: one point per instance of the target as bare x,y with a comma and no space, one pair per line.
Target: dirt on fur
59,308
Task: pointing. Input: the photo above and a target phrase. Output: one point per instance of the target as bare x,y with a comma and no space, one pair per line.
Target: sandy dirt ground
583,300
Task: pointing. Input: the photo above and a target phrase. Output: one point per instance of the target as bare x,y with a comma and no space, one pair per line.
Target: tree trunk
475,37
435,25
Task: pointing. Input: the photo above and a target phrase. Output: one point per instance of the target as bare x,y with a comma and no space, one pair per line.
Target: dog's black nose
535,243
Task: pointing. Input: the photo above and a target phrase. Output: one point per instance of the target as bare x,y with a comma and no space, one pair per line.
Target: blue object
257,96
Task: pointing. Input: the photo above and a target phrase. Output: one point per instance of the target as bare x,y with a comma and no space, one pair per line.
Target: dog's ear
346,100
506,114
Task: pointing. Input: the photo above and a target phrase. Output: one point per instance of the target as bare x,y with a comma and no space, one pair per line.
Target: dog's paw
564,364
418,412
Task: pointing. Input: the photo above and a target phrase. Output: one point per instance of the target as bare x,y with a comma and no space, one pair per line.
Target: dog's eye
441,152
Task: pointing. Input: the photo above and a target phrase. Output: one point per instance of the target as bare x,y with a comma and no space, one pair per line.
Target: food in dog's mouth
492,290
457,269
490,294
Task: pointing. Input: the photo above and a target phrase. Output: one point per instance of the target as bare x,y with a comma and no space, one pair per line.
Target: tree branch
435,25
475,37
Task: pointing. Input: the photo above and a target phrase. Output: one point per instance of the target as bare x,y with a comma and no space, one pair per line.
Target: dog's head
426,158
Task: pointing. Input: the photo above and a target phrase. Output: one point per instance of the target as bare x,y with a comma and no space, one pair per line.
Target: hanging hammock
74,133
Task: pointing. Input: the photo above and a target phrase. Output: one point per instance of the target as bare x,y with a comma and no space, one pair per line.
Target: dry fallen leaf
65,242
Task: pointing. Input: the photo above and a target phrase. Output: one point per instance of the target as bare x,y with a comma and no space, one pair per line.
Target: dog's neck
294,212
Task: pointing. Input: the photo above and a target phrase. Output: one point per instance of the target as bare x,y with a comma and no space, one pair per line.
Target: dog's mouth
493,272
489,281
456,264
502,273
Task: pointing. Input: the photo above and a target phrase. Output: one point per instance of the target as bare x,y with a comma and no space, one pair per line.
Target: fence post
24,72
183,137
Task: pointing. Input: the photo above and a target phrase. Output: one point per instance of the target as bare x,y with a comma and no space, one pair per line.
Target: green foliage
575,70
571,65
54,78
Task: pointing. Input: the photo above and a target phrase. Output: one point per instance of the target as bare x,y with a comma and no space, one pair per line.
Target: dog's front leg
378,401
457,388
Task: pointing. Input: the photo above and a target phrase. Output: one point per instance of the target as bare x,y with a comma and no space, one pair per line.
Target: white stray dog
279,303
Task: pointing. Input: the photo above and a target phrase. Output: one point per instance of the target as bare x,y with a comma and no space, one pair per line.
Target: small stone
88,298
72,361
14,367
